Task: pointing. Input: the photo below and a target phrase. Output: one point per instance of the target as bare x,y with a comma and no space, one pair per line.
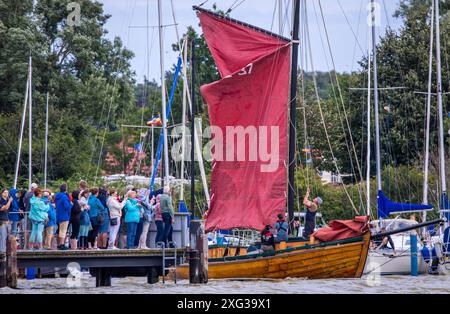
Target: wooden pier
104,264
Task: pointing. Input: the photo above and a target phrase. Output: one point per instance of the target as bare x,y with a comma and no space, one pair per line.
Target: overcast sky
347,50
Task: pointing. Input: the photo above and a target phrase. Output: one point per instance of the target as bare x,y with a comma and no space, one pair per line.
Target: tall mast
369,117
22,126
193,112
440,110
280,17
46,144
292,111
183,117
375,92
163,95
30,125
427,132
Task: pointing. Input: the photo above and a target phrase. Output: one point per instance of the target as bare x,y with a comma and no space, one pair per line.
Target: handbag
113,221
100,219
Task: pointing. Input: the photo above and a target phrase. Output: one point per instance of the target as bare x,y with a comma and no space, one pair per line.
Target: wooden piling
11,262
198,253
153,276
102,277
3,280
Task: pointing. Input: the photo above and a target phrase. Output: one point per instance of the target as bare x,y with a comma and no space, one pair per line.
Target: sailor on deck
310,217
282,229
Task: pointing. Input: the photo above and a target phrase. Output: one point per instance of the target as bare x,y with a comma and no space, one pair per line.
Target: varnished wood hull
341,259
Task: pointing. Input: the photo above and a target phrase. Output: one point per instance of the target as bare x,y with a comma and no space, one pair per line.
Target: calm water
131,285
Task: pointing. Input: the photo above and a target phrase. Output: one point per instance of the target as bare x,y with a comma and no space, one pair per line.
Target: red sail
248,115
233,46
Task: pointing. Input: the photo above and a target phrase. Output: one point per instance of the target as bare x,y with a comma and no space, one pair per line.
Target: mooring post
2,269
102,277
198,253
414,261
11,262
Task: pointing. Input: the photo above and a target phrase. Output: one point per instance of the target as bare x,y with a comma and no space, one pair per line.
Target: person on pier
26,224
147,216
168,214
115,212
97,215
132,216
85,221
38,217
103,232
158,220
63,209
50,226
5,204
75,219
14,211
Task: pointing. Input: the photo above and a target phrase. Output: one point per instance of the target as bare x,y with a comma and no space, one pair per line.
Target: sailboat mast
46,144
440,110
428,117
369,117
22,127
193,112
183,117
30,125
292,111
375,93
280,17
163,94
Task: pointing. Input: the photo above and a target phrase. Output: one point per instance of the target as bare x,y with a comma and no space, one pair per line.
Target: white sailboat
397,260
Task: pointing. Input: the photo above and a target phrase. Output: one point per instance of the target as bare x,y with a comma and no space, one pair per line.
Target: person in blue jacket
38,217
50,227
97,214
132,217
103,230
63,208
14,211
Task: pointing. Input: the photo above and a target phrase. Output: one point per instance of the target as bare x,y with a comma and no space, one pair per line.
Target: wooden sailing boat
253,91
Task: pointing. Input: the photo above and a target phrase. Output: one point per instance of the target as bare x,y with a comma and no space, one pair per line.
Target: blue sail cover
445,207
387,207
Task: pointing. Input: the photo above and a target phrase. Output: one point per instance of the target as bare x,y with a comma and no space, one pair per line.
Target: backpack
100,218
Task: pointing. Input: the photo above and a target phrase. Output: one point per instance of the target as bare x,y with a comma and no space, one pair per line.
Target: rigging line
144,105
286,15
402,77
105,100
231,7
322,115
180,48
13,150
357,34
340,91
303,100
350,26
349,151
200,5
273,15
235,6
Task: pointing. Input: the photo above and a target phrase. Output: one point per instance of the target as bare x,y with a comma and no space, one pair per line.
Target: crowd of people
87,218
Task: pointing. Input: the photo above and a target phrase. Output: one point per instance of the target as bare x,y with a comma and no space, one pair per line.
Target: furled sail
248,111
387,207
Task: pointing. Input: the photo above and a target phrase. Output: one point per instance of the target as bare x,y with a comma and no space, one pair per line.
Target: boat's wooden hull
341,259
